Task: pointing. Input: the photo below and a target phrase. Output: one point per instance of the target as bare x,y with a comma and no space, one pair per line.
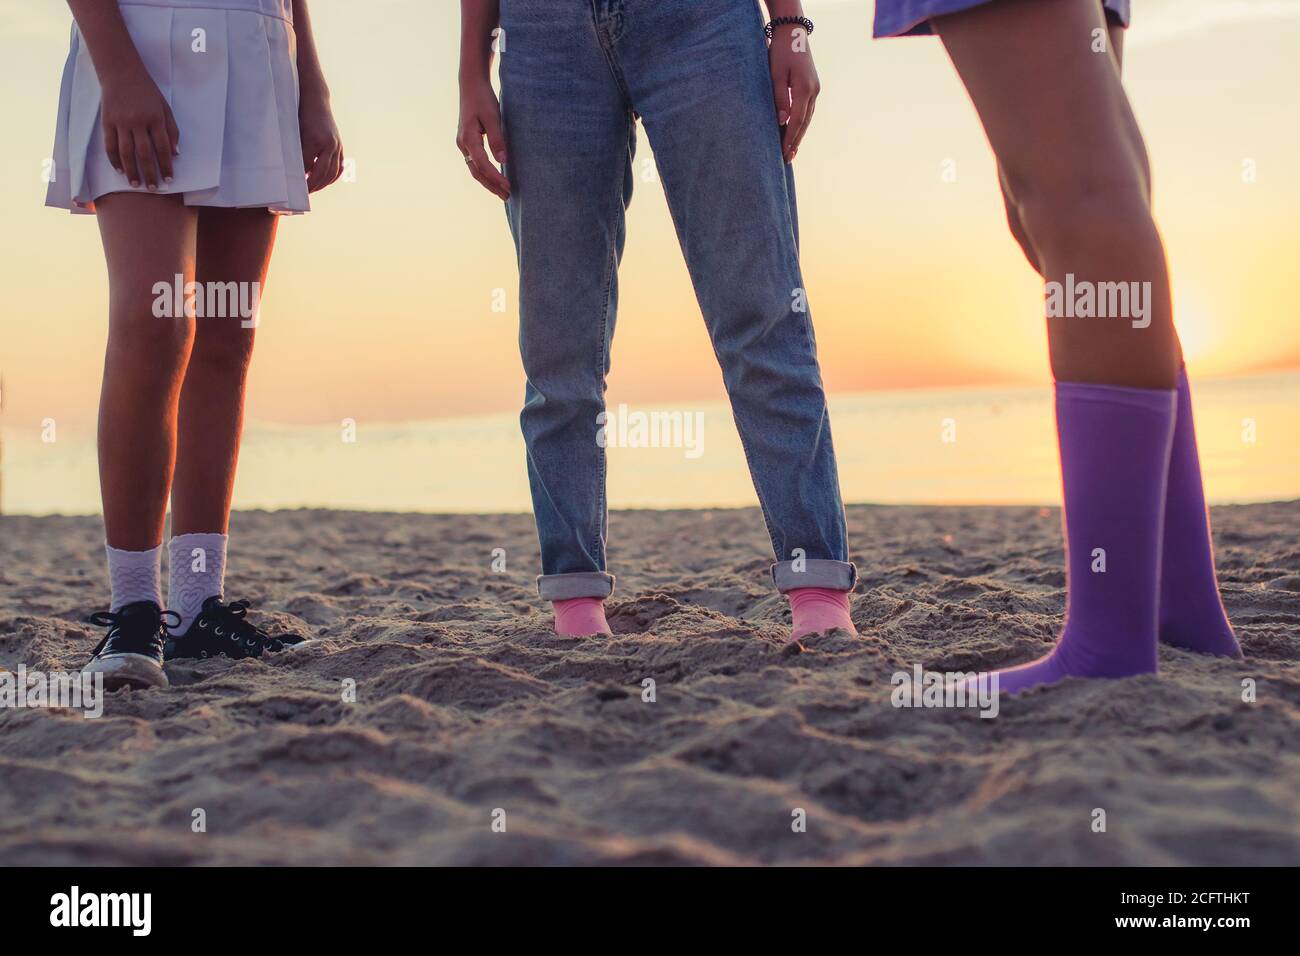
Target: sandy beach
469,711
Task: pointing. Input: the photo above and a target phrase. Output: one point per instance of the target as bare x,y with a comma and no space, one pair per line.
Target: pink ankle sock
814,610
580,617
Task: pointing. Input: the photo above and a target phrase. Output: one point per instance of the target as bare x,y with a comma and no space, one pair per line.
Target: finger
807,124
781,97
492,187
479,159
320,168
490,184
126,149
496,138
162,147
800,113
465,143
333,167
329,166
312,175
173,131
484,171
144,160
482,180
113,148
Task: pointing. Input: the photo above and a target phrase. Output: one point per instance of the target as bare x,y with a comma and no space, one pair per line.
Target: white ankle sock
134,576
196,571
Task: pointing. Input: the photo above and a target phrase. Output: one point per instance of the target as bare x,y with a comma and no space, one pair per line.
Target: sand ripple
466,705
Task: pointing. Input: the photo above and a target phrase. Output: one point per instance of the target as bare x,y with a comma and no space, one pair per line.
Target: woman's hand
322,150
480,116
794,85
140,133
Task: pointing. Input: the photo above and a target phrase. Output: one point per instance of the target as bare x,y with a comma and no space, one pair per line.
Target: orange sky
379,304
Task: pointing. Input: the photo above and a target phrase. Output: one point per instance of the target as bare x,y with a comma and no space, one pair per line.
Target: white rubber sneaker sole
128,670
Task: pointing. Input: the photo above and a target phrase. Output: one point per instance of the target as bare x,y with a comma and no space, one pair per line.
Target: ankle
1082,654
196,572
580,617
814,610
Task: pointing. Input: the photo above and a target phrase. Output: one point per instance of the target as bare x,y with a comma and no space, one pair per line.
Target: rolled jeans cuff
577,584
815,573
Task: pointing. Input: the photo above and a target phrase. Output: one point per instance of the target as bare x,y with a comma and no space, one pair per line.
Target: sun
1199,329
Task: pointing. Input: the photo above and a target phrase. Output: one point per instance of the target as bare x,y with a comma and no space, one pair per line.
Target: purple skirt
909,18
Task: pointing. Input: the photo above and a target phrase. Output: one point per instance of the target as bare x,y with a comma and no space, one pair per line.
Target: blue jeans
696,72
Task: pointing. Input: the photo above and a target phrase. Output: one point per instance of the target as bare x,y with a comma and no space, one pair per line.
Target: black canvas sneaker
131,653
224,629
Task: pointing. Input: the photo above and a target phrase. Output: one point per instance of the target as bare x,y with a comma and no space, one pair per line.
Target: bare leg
1074,172
1013,214
1060,124
234,245
147,240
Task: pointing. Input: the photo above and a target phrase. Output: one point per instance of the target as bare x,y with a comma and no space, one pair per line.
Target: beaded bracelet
787,21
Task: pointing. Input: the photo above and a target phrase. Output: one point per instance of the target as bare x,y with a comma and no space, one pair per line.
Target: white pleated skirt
228,69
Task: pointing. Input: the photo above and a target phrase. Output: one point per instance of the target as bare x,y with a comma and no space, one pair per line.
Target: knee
1022,238
564,369
161,344
1016,226
560,403
772,367
222,345
1087,214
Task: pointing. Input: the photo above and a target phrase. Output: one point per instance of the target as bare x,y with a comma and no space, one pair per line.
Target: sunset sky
379,304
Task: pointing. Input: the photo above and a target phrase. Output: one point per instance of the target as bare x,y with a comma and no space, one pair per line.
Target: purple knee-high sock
1191,613
1115,445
